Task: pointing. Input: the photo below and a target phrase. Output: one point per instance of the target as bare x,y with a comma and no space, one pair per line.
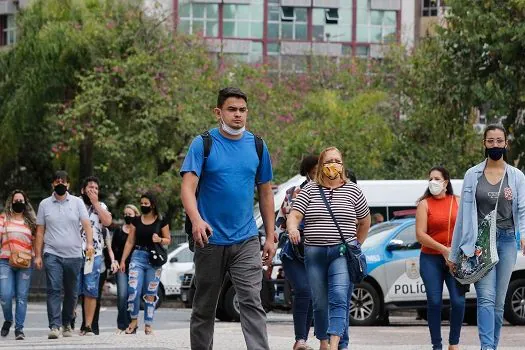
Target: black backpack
207,142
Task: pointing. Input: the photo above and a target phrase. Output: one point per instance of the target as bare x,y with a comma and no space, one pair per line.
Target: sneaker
54,333
5,328
88,331
19,335
67,332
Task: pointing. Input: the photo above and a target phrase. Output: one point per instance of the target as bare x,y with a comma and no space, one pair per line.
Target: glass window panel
389,34
212,28
361,51
346,50
255,57
300,14
345,33
257,12
198,26
184,26
376,34
362,3
198,10
319,17
376,18
228,11
301,32
287,30
243,29
228,29
257,30
184,10
257,47
212,11
274,48
389,18
243,11
362,33
274,14
331,33
273,30
318,33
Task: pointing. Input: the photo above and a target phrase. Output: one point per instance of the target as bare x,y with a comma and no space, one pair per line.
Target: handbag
355,258
18,259
158,255
470,269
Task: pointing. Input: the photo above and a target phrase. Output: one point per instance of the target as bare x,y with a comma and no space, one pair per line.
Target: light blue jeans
492,289
143,280
14,283
330,281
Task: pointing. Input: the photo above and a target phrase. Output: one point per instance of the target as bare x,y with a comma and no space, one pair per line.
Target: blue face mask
495,153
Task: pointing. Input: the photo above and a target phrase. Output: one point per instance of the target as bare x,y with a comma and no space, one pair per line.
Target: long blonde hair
29,212
319,177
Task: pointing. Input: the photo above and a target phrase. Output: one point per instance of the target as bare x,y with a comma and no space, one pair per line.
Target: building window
243,21
196,18
333,24
430,8
375,26
8,23
287,23
253,57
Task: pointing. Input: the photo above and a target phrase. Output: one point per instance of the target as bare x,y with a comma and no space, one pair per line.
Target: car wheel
221,315
514,310
364,305
231,305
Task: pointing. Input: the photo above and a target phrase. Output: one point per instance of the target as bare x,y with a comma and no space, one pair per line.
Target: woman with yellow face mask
324,251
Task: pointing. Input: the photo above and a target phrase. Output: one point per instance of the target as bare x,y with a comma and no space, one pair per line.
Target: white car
180,261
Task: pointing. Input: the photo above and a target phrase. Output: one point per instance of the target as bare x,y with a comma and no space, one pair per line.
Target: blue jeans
492,289
434,271
143,280
330,292
123,318
14,283
61,273
295,272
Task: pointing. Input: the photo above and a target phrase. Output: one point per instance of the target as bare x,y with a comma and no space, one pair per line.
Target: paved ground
172,332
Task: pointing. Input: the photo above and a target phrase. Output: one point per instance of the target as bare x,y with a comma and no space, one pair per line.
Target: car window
408,236
379,232
184,256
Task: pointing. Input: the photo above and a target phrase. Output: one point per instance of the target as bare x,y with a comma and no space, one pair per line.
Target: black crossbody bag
158,255
355,259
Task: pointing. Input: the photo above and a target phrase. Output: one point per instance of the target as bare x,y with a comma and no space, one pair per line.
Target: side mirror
395,244
174,259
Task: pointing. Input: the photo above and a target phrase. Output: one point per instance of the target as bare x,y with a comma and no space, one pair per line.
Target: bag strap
452,200
499,191
331,212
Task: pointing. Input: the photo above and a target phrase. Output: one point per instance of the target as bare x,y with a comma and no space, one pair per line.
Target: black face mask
128,219
86,199
495,153
60,189
19,207
145,210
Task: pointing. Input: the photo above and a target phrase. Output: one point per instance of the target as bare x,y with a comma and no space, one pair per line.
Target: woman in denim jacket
478,198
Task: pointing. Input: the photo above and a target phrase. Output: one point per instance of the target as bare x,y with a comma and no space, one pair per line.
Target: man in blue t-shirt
223,227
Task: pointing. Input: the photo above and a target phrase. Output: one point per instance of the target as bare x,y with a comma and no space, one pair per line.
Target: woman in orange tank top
435,220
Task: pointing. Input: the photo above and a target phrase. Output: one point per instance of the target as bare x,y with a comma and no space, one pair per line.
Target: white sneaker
54,333
67,332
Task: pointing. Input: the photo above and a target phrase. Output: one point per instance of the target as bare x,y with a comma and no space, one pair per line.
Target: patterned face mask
332,170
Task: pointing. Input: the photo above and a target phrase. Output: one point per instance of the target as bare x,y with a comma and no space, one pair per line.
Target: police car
394,282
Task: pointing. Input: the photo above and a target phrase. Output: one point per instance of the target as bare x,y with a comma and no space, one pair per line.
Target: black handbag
158,255
355,258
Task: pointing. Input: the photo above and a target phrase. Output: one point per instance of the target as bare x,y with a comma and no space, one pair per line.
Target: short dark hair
494,127
61,175
89,179
308,163
228,92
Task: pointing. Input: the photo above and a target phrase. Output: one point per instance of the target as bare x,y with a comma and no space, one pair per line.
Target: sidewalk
227,336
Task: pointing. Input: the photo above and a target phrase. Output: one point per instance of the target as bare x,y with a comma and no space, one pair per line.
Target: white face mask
435,187
230,130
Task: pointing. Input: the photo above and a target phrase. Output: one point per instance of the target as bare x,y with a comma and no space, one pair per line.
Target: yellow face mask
332,170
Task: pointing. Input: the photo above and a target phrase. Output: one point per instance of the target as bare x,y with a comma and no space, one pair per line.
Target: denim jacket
466,228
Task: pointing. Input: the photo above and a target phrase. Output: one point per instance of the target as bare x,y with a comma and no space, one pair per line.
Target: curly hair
29,213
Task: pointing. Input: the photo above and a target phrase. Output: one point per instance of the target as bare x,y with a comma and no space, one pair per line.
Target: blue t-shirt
226,191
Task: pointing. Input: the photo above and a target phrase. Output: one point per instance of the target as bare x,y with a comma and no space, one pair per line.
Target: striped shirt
348,205
15,234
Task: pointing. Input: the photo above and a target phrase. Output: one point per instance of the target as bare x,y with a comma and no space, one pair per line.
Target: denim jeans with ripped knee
14,282
142,278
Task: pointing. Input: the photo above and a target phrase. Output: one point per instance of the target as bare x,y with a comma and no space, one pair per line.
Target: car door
403,280
179,262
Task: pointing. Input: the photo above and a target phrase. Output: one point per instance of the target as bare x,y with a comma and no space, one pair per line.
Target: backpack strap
206,140
259,147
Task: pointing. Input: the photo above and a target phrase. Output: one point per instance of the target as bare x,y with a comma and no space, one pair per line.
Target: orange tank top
441,218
